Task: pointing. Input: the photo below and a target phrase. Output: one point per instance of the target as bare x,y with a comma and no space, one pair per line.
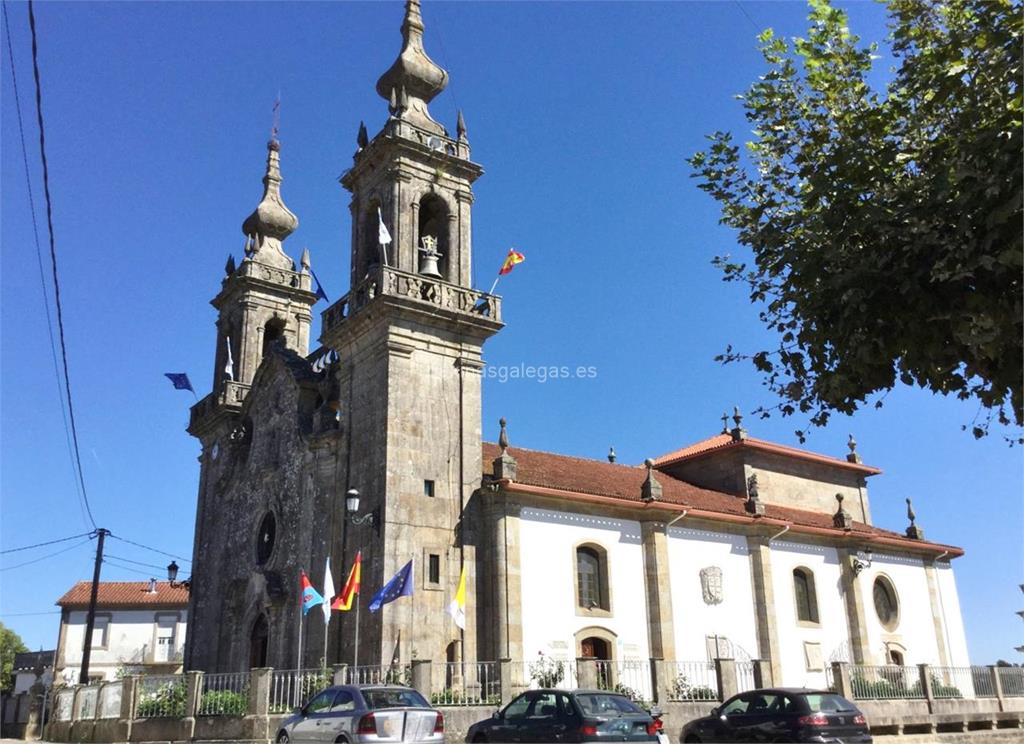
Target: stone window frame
442,561
887,583
156,631
106,616
604,580
259,531
813,619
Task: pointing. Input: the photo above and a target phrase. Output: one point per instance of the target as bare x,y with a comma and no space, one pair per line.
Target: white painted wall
689,551
916,629
949,606
550,620
832,631
130,639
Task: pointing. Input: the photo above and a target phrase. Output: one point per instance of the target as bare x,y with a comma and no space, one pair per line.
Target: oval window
886,604
265,538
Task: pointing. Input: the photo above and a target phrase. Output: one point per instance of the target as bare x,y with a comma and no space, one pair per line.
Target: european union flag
399,586
320,294
179,380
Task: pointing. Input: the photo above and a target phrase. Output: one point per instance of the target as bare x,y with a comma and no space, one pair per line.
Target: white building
139,627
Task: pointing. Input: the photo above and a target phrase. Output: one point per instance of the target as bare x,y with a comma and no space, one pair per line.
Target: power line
128,568
29,614
39,251
139,544
53,256
138,563
44,557
43,544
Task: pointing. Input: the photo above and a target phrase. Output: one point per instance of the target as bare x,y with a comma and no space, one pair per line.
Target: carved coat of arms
711,584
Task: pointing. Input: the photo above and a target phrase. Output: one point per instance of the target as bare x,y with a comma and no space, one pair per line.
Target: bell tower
409,335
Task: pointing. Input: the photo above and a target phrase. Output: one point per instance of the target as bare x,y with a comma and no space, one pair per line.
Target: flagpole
493,286
355,655
298,660
327,626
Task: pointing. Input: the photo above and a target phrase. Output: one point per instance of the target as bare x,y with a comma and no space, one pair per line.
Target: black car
561,715
782,714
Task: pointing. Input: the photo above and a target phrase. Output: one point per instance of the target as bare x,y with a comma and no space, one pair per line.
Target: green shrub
224,703
683,690
169,700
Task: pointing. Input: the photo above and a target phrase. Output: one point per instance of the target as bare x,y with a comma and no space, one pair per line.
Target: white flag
457,607
383,236
328,592
229,366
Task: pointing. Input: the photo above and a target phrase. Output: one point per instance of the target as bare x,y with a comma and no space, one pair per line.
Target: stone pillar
841,679
762,673
657,582
853,599
997,686
506,682
659,681
74,701
129,694
259,691
725,673
764,604
506,577
925,676
193,693
340,676
586,673
938,616
421,677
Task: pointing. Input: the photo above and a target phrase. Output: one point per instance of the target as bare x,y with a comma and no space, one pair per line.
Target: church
731,546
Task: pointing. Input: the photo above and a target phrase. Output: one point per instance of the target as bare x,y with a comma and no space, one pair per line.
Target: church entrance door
258,643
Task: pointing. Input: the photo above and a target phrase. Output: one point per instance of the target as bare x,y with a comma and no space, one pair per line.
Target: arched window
273,331
806,597
265,538
433,222
258,642
592,578
886,604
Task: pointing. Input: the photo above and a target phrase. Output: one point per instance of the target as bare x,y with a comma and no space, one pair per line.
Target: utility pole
90,618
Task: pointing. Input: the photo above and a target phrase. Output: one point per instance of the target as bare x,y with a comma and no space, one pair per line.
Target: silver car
364,714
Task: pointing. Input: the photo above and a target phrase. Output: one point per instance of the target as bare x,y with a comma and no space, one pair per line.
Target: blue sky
157,116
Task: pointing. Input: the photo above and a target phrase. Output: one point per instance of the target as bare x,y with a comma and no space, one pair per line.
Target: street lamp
172,577
861,561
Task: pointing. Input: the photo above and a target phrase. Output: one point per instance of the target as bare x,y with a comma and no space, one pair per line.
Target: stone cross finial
725,423
503,435
852,444
913,531
753,504
611,454
842,518
651,489
460,127
738,431
504,465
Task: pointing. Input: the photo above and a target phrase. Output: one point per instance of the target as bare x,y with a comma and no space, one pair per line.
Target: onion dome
414,79
271,221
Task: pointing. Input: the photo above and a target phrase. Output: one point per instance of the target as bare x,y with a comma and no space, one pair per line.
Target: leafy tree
886,229
10,644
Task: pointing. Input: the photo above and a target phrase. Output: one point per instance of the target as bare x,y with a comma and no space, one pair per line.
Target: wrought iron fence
380,674
954,682
110,699
290,688
745,676
1011,679
544,671
888,682
224,695
467,683
691,680
161,696
631,677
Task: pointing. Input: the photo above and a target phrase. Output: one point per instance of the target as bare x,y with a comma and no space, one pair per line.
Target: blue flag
399,586
179,380
310,596
320,294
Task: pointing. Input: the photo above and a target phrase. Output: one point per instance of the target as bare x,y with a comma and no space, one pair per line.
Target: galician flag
400,585
328,591
383,236
514,257
310,596
457,608
348,594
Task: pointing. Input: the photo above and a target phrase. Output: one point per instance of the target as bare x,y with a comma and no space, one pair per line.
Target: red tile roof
125,595
577,475
722,442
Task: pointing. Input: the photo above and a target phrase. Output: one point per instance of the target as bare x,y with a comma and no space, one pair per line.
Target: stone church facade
768,549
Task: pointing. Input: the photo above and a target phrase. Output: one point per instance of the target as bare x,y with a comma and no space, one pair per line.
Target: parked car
364,714
561,715
783,714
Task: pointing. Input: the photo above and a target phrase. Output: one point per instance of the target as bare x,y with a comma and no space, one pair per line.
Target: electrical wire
147,547
29,614
138,563
53,257
90,535
128,568
44,557
39,250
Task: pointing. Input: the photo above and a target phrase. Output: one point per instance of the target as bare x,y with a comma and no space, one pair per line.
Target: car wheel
479,739
692,739
282,738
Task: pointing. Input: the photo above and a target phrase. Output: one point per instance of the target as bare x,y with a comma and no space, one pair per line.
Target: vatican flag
457,608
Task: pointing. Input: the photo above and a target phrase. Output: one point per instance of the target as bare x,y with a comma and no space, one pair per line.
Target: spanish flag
514,257
344,600
457,607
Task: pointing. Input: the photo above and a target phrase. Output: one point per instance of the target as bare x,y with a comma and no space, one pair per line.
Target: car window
322,702
827,703
784,704
517,708
344,701
393,698
761,702
544,706
565,707
735,706
607,704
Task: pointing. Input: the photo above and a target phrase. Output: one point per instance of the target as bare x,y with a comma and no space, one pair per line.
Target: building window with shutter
806,597
592,590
